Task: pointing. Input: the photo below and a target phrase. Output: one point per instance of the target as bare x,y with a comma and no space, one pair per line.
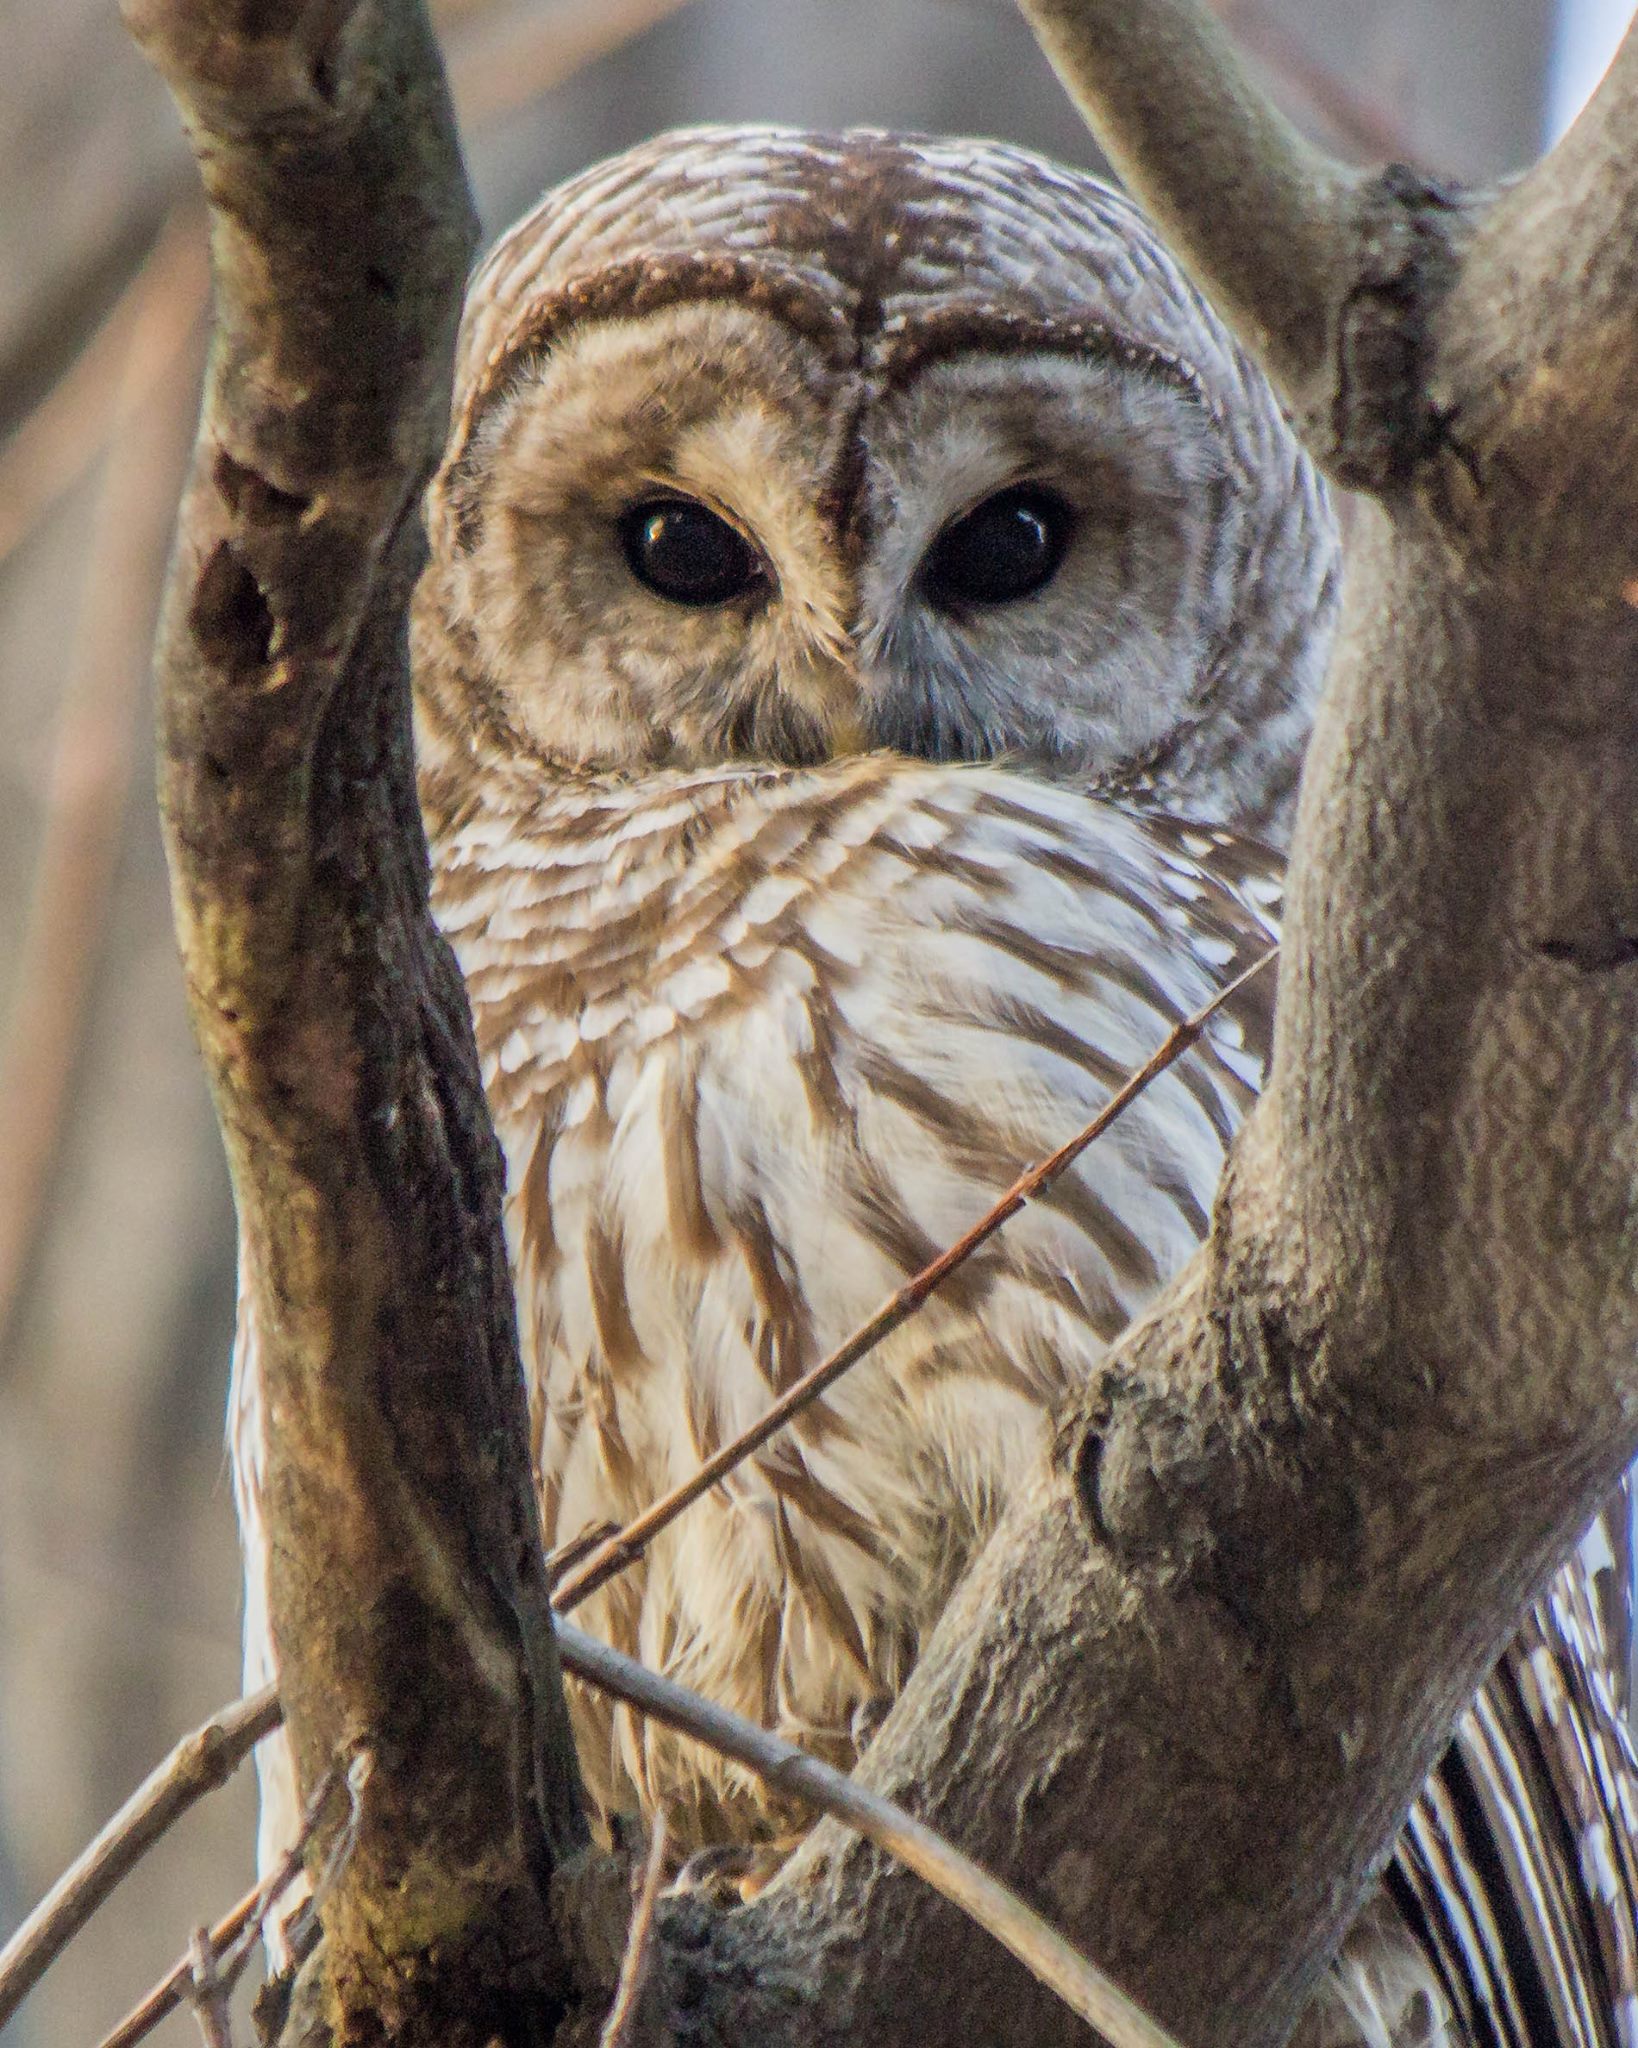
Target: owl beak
830,687
849,735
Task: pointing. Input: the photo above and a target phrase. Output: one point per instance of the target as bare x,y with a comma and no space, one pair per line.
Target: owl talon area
734,1873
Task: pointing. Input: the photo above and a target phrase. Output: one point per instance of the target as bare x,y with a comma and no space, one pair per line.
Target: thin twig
152,406
208,1991
231,1940
617,1551
634,1965
197,1765
1038,1945
167,1995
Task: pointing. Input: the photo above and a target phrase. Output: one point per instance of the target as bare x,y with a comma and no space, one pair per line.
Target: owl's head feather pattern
948,455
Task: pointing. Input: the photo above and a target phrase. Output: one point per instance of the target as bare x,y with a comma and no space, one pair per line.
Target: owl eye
1006,548
683,551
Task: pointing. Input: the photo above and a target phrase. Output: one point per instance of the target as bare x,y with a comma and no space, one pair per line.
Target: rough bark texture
408,1592
1187,1695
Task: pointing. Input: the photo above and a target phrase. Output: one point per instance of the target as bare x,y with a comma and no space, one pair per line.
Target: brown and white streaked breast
759,1045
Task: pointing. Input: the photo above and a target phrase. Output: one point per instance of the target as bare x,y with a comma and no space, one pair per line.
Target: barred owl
873,615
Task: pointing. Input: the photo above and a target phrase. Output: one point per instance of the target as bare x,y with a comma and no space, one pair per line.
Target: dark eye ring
688,554
1005,548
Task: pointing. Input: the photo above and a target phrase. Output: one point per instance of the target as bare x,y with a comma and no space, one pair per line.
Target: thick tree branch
407,1591
1325,272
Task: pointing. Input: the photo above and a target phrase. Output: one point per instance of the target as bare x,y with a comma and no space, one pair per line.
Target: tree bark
408,1591
1185,1698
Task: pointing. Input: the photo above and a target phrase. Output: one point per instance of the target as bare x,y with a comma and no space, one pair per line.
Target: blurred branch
1368,129
146,359
108,381
170,1992
216,1956
501,58
198,1764
498,67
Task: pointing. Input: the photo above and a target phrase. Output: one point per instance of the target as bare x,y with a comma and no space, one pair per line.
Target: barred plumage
758,1045
797,920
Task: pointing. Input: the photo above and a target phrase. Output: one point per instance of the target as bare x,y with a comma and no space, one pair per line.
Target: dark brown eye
1008,547
681,550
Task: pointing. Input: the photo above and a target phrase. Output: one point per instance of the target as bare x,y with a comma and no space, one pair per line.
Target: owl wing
1518,1869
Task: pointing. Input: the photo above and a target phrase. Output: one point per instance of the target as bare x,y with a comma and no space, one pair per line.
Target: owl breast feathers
872,623
759,1044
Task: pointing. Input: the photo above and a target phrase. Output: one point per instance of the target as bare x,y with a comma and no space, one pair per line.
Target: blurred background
118,1562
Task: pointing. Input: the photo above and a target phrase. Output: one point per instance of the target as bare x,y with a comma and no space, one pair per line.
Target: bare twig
991,1904
151,409
634,1965
621,1549
208,1991
227,1945
197,1765
1039,1946
288,1868
167,1995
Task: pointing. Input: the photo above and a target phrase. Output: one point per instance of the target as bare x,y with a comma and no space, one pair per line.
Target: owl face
920,447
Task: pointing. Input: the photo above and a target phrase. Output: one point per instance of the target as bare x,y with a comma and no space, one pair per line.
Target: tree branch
407,1590
1283,250
197,1765
992,1908
172,1988
1325,272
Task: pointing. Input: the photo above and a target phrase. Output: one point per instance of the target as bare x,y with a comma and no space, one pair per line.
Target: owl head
772,447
